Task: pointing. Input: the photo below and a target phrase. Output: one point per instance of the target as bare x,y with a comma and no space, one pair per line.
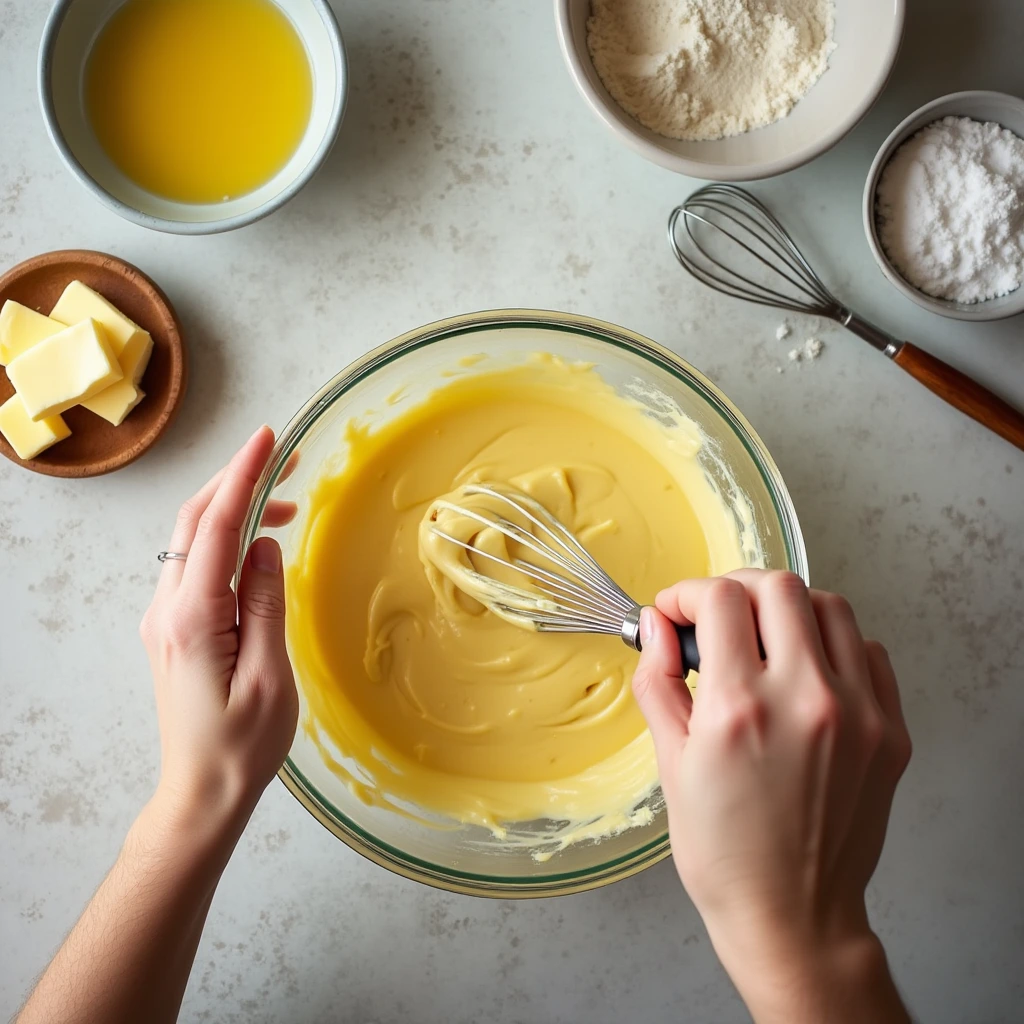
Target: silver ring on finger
172,556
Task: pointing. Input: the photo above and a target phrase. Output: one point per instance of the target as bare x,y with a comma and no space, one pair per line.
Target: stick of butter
115,402
21,328
129,342
64,370
26,436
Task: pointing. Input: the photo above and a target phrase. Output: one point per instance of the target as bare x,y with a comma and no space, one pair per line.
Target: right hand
778,776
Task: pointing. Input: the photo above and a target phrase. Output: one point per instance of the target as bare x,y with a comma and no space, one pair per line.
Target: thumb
262,653
658,683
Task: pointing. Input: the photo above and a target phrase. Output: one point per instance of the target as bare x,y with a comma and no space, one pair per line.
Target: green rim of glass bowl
505,887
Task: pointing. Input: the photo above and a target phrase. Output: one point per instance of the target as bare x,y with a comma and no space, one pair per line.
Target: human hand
778,778
225,694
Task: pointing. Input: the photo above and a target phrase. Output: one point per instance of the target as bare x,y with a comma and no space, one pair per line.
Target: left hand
228,707
225,693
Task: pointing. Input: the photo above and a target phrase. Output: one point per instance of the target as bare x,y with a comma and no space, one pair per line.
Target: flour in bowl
950,207
706,69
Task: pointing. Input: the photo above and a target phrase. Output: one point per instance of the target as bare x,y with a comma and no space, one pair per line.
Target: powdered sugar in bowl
944,206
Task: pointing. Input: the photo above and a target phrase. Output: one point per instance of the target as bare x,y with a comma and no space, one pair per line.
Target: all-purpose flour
950,207
705,69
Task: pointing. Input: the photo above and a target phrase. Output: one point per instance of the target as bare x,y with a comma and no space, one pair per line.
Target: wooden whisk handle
962,392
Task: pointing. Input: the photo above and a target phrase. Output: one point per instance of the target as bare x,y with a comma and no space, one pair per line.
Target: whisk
575,595
730,217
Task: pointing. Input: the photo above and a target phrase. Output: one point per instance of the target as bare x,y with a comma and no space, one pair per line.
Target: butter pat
64,369
21,328
128,341
115,402
26,436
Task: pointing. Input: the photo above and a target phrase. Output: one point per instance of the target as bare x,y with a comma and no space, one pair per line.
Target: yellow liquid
199,101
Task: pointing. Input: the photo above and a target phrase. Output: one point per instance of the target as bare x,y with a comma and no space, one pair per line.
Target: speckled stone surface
470,175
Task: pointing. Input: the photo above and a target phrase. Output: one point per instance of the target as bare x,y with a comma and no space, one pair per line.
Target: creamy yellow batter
420,698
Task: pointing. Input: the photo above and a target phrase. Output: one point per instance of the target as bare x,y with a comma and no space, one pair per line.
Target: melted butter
440,705
199,101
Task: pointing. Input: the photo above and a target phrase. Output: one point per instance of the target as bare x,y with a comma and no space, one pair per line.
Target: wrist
202,817
178,849
793,979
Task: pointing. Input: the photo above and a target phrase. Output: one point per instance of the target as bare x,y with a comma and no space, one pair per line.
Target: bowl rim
757,171
914,122
334,820
51,32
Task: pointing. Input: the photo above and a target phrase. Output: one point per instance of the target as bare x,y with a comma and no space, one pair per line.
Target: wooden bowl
95,447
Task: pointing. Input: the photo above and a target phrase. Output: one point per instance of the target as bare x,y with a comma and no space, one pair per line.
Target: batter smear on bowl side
420,698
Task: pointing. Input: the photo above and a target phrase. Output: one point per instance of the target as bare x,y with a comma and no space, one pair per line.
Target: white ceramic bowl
70,32
868,35
982,106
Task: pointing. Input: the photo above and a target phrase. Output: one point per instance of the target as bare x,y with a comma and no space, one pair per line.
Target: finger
887,693
785,617
841,637
658,683
185,531
278,513
289,468
726,629
262,654
214,553
883,682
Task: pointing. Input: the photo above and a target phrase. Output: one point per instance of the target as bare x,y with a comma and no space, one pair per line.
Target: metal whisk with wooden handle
727,216
574,595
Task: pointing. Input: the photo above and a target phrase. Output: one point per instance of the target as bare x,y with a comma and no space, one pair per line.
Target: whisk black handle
686,635
688,645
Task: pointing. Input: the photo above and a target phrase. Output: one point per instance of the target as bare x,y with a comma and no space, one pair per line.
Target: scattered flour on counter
812,349
950,208
706,69
783,331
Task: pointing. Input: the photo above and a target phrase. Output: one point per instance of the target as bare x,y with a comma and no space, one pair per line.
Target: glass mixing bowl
380,386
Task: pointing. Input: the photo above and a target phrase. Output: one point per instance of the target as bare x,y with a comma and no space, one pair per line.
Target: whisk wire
580,560
755,290
756,293
779,243
747,223
513,532
559,585
592,612
585,599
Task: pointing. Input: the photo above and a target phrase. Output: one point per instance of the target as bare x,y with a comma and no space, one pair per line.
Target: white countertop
470,175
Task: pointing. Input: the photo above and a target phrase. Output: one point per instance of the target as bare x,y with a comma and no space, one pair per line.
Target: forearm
847,984
128,958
